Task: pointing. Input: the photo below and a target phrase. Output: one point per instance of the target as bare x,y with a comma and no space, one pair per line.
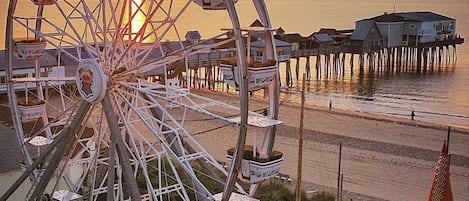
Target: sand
383,158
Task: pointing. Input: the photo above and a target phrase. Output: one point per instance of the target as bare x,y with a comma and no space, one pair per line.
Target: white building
414,28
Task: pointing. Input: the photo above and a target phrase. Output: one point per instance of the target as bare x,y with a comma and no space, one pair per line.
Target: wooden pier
417,42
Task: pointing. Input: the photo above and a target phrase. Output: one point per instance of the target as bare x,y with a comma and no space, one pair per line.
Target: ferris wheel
108,121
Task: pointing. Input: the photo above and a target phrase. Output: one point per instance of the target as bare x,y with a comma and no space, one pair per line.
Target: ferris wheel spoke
140,128
72,158
178,53
138,108
79,17
134,44
155,131
168,125
120,148
56,39
141,147
61,147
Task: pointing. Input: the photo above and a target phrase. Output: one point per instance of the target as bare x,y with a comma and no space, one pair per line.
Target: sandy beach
383,158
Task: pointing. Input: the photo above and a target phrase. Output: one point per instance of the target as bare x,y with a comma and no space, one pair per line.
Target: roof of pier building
362,29
278,43
423,16
256,23
322,38
336,35
193,35
291,38
46,60
280,31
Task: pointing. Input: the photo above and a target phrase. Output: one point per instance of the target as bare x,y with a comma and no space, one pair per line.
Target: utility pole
341,186
300,143
447,139
339,171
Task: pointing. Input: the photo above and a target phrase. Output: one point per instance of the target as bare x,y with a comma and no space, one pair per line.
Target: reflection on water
439,96
395,93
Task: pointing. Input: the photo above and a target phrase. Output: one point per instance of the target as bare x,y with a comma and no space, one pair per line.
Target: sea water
440,96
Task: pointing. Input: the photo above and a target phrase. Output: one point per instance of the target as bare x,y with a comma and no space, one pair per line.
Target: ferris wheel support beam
244,102
60,150
120,148
41,158
180,152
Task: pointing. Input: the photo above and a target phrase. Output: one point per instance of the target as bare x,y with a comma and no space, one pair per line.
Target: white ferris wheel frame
139,62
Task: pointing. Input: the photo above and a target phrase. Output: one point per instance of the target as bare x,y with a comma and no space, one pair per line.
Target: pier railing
446,42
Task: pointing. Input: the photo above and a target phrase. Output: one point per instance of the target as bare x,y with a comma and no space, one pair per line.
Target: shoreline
351,113
385,118
393,156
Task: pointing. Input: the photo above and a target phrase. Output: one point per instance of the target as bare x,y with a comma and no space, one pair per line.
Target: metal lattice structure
107,132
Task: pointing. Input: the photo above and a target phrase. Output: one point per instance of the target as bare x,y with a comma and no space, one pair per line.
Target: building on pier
413,28
193,37
300,46
365,38
411,41
391,41
257,50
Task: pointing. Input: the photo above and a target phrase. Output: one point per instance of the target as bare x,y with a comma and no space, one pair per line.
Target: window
20,75
283,51
412,26
439,26
405,38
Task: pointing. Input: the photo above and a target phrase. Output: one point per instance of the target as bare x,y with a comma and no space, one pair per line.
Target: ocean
440,96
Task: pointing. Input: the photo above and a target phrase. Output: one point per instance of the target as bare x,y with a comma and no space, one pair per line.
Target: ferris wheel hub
91,81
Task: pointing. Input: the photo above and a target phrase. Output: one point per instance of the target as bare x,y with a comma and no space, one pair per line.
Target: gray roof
362,28
171,46
424,16
323,38
391,17
46,60
278,43
51,55
256,23
291,38
194,35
